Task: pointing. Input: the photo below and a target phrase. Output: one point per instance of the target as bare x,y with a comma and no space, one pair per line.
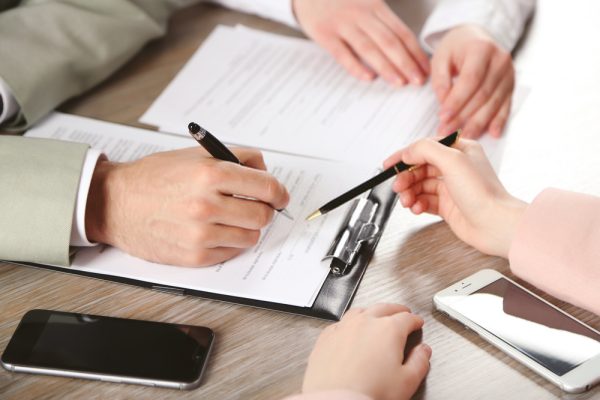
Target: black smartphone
109,349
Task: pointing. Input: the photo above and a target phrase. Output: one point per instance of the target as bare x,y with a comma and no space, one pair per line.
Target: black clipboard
348,258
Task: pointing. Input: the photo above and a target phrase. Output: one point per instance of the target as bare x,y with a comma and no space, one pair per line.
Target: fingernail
417,79
365,76
426,349
397,80
495,131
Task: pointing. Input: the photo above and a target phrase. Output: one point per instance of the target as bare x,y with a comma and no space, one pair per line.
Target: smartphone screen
531,326
113,346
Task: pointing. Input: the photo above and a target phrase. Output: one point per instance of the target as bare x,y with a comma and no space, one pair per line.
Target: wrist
101,194
510,217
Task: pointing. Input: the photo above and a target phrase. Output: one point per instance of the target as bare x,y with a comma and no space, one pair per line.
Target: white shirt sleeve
8,104
78,235
503,19
278,10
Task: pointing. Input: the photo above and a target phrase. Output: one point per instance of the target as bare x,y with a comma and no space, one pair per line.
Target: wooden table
553,141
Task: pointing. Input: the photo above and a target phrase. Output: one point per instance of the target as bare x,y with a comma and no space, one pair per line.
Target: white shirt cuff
503,19
78,235
9,105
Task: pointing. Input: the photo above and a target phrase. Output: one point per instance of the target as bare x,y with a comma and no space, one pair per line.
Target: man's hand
473,78
359,32
179,208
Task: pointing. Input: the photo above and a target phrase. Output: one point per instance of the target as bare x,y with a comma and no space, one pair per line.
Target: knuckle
497,102
197,258
405,34
411,375
364,46
344,58
355,12
322,28
504,57
473,75
454,102
472,146
199,236
457,157
209,174
202,209
483,47
484,93
476,125
389,42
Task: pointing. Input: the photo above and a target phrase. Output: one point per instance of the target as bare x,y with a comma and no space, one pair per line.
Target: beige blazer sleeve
39,179
53,50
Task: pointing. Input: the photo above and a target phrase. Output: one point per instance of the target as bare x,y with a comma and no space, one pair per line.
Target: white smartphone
529,329
109,349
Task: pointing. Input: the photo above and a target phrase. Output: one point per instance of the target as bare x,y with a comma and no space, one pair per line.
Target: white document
285,267
274,92
264,90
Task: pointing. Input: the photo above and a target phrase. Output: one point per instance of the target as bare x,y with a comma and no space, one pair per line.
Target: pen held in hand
374,181
219,151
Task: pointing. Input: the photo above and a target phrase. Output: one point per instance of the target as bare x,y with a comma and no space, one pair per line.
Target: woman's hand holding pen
178,207
460,185
359,32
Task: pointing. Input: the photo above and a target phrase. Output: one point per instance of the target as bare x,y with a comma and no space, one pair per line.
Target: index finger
409,39
250,157
469,79
253,183
430,151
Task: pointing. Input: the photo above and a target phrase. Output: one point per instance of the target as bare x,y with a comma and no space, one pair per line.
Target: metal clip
357,228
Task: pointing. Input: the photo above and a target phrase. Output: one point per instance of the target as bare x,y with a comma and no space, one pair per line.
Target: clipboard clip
357,228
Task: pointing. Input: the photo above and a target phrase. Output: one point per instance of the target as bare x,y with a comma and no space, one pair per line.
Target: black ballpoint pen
374,181
218,150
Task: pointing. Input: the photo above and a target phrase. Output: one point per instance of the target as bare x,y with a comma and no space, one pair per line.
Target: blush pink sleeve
330,395
557,247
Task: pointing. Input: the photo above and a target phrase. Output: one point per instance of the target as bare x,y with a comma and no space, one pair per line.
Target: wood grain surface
554,140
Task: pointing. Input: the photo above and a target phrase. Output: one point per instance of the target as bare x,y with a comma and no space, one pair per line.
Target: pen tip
286,214
194,127
314,215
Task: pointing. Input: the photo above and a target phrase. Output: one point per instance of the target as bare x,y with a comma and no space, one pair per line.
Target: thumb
417,366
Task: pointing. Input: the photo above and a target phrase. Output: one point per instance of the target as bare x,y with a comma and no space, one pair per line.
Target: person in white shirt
471,72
